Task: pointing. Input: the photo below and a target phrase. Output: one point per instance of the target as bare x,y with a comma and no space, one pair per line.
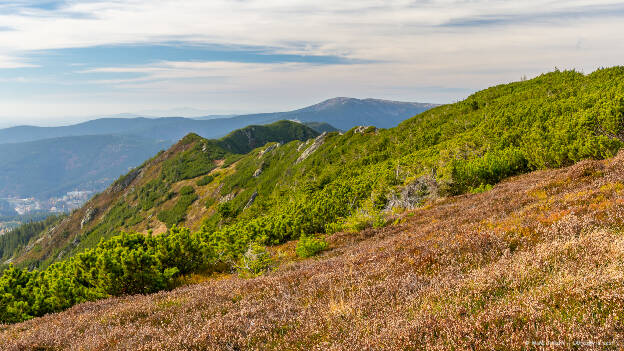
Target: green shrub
187,189
151,194
177,213
226,209
360,220
309,246
205,180
256,261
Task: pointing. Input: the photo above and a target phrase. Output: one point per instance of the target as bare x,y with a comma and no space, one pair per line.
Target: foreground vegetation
535,261
332,183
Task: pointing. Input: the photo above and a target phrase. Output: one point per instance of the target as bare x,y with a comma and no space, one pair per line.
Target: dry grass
539,260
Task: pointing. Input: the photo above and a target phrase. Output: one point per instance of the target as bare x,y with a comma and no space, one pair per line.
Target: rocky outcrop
88,216
268,149
227,197
258,171
124,181
303,145
414,194
251,199
318,141
364,129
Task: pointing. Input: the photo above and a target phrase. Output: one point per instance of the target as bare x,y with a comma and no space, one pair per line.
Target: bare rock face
414,194
364,129
227,197
125,181
318,141
268,149
251,199
258,171
88,217
303,145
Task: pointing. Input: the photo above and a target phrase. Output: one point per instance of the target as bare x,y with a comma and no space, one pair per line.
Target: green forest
551,121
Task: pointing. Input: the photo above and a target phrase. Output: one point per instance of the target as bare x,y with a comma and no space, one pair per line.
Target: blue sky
63,61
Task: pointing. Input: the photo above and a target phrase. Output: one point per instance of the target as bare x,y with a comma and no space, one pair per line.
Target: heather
535,260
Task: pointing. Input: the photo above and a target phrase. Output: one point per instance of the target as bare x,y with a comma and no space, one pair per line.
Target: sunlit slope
553,120
148,197
536,259
326,184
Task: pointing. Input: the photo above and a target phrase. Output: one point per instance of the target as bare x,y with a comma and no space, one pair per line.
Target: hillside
342,113
151,196
537,258
236,205
45,163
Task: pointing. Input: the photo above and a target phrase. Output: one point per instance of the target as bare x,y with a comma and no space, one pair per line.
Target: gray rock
88,217
251,199
125,181
268,149
303,145
227,197
318,141
364,129
259,170
414,194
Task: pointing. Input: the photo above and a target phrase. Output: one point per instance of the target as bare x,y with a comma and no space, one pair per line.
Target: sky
62,61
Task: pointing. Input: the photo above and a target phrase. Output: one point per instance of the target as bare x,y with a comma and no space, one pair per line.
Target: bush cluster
177,213
129,263
309,246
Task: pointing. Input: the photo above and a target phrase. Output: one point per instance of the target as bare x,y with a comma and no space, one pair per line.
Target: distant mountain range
47,162
342,113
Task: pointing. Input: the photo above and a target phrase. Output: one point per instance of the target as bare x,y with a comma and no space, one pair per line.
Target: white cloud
411,46
8,62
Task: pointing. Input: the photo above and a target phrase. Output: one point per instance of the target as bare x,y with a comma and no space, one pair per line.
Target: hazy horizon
154,114
62,60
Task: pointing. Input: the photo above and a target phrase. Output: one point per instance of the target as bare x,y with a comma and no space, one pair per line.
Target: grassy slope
538,258
135,200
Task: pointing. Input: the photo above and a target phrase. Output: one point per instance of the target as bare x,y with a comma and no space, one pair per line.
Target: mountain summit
345,113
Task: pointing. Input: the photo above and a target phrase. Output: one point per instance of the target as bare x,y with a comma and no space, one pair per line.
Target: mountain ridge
174,128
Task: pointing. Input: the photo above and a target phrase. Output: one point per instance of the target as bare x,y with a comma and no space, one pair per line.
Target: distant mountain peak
342,100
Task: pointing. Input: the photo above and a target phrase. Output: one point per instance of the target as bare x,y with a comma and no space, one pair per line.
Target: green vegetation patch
177,213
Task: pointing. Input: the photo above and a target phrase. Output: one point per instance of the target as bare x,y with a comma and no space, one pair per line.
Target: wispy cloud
126,54
534,16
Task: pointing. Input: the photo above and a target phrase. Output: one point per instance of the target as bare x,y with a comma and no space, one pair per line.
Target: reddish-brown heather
538,260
